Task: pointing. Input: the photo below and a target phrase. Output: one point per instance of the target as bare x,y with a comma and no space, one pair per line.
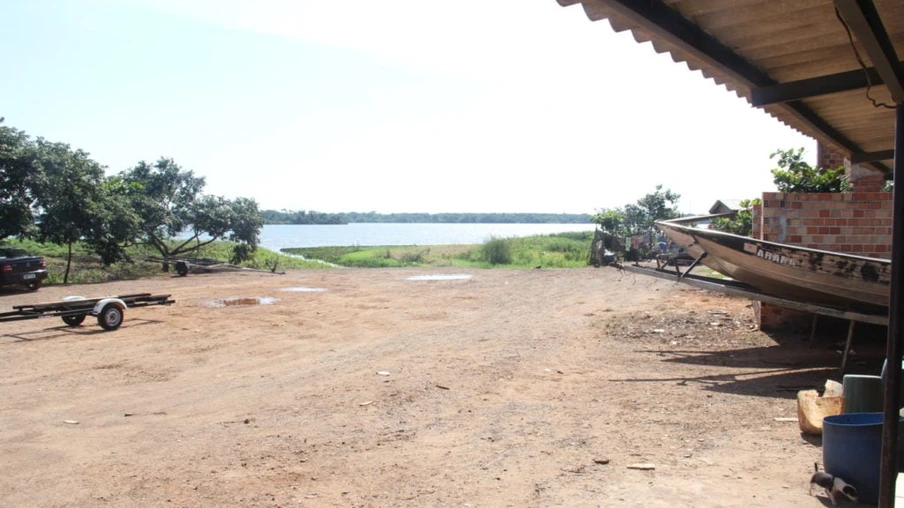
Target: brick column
863,178
766,316
757,222
827,157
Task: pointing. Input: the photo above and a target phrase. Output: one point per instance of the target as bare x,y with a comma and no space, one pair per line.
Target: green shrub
327,254
497,251
794,175
413,257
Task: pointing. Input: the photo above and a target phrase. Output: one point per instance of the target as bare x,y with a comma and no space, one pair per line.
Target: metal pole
889,465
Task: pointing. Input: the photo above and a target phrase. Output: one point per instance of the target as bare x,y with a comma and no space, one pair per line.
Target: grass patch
383,256
562,250
709,272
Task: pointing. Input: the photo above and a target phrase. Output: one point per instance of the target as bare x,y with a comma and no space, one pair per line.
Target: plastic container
851,450
812,409
862,394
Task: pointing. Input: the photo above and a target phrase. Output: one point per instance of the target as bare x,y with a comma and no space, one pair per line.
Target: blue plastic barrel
851,450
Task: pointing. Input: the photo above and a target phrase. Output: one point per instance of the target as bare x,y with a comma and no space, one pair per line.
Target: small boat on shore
787,271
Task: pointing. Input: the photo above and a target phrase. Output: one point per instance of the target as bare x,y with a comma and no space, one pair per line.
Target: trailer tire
110,316
74,320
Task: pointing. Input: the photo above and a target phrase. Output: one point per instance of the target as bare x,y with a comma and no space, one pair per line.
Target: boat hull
786,271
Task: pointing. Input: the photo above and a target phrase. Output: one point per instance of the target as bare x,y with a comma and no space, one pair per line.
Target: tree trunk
68,264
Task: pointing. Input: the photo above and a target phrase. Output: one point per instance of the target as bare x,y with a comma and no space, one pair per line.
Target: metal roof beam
668,23
881,155
662,19
814,87
864,21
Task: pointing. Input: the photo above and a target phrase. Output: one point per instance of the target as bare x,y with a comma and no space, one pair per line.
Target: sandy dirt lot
510,388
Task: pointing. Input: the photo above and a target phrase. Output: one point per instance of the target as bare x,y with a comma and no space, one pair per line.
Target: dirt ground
512,388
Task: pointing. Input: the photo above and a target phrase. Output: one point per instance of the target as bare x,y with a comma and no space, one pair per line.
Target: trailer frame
109,310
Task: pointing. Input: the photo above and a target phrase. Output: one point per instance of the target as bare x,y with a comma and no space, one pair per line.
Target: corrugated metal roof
787,40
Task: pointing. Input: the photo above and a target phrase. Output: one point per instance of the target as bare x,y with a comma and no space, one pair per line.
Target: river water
276,237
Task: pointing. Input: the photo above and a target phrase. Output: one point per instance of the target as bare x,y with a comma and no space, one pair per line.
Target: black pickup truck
18,268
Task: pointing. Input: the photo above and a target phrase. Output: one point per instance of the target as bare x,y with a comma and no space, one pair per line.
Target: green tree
795,175
19,176
245,225
640,218
170,202
116,225
71,198
610,221
740,223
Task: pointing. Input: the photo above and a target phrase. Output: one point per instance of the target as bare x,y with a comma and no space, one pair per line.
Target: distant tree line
53,193
302,217
473,218
311,217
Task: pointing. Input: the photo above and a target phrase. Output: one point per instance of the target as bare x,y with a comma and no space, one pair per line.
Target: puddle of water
304,290
454,276
236,302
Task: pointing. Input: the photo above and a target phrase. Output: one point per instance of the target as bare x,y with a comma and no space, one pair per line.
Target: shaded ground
511,388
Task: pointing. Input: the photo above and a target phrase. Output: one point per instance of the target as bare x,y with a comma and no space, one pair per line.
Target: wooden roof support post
889,464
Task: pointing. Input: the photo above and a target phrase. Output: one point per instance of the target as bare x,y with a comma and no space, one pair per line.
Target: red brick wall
853,222
773,317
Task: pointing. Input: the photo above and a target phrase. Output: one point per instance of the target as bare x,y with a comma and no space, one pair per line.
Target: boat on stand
811,276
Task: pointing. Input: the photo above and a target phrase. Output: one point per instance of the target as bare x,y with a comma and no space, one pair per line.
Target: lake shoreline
278,237
563,250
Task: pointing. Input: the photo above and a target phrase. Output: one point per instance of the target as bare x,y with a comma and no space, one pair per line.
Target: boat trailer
185,265
735,288
73,310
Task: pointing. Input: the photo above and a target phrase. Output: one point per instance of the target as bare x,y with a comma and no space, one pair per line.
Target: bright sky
391,106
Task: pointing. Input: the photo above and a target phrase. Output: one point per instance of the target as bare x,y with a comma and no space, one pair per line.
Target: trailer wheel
33,286
182,268
110,317
74,320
